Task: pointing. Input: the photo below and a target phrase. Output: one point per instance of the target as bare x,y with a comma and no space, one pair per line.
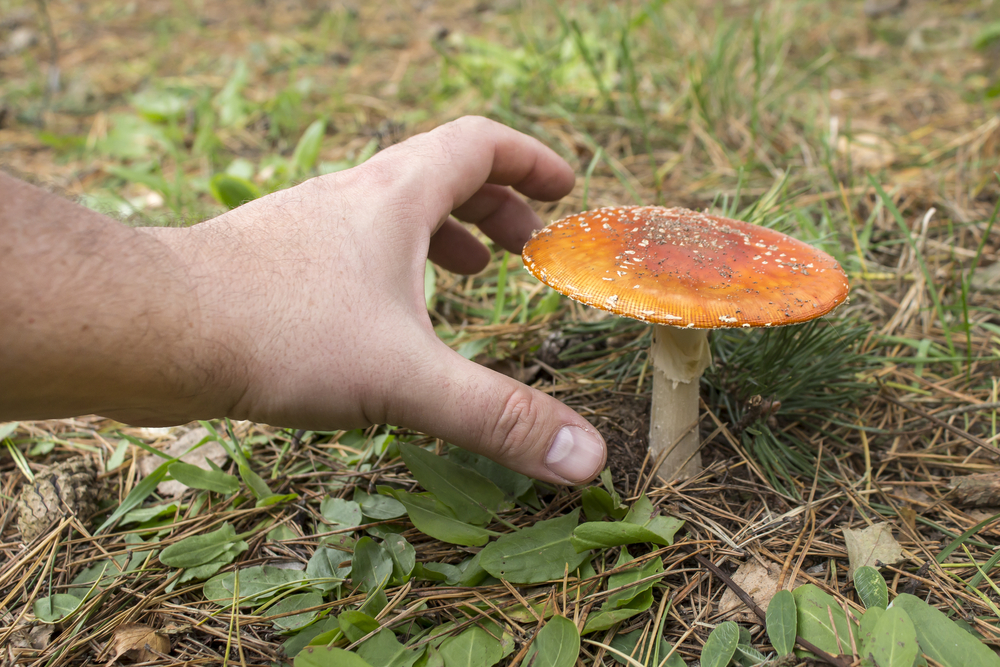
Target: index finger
449,164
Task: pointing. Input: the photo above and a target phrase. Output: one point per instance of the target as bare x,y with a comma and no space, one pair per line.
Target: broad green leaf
117,458
781,621
604,619
472,497
356,624
206,570
330,563
513,484
379,507
232,191
597,503
644,514
385,650
894,640
195,477
340,512
56,607
434,518
159,106
622,597
943,640
748,656
257,584
604,535
541,552
814,608
295,603
7,428
328,656
403,555
866,628
145,514
199,549
258,487
302,639
374,603
307,150
557,644
371,565
871,587
721,645
472,648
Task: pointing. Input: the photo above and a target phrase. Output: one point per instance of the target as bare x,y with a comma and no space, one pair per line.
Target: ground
869,130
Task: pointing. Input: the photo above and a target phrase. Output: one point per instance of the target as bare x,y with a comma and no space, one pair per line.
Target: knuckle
516,421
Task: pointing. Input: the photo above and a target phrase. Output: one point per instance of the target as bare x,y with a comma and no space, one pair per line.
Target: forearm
96,317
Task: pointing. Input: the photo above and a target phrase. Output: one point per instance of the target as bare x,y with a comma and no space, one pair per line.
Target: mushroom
685,272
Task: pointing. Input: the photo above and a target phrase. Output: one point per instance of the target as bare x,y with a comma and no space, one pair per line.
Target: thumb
491,414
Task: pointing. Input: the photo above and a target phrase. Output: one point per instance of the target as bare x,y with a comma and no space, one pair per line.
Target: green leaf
597,503
513,484
232,191
781,620
894,640
814,609
943,640
871,587
557,644
624,596
385,650
430,284
200,549
644,514
379,507
604,619
300,640
328,656
56,607
195,477
541,552
866,628
257,584
340,512
748,656
404,558
371,565
324,570
434,518
138,494
307,150
721,645
356,624
472,648
258,487
604,535
472,497
294,603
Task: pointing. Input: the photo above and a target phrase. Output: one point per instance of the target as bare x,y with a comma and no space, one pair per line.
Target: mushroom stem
679,358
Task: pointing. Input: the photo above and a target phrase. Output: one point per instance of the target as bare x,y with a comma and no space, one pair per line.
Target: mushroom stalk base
679,357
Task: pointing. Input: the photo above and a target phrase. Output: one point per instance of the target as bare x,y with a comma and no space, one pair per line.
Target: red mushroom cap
687,269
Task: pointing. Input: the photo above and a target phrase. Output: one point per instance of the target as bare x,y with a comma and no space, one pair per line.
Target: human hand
315,296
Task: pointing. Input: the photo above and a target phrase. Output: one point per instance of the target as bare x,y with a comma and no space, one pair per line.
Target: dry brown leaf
210,451
978,490
759,582
138,643
874,546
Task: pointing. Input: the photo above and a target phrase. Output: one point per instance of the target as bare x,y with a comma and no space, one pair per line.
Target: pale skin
303,309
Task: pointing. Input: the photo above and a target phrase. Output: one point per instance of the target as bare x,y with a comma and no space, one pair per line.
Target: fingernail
575,455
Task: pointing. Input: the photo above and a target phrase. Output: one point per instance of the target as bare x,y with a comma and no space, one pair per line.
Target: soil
623,420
